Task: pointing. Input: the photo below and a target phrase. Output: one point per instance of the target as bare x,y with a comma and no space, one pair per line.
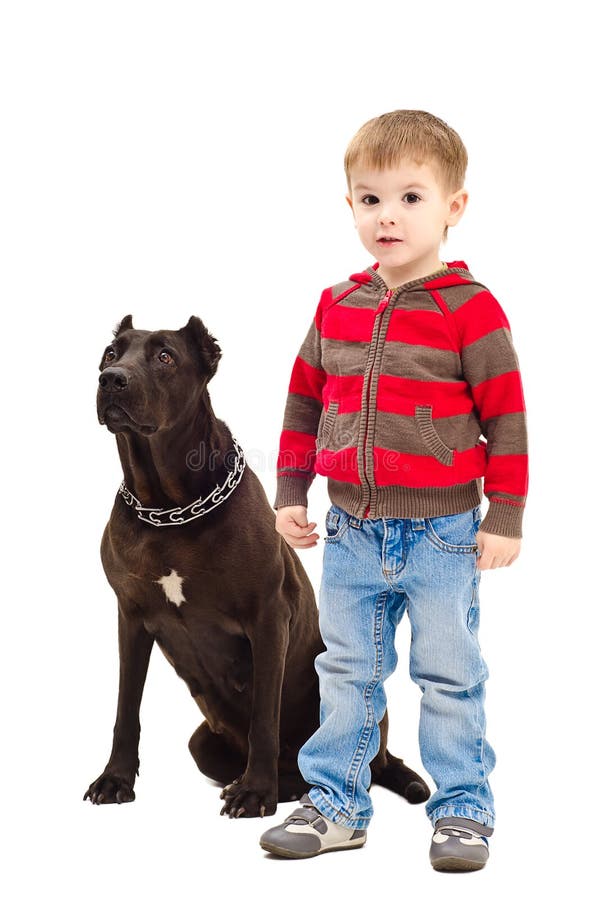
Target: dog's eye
109,355
166,358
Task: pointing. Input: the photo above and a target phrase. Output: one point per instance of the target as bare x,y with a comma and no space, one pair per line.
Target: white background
175,158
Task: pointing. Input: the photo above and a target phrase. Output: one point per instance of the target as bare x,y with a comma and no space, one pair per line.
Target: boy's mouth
385,239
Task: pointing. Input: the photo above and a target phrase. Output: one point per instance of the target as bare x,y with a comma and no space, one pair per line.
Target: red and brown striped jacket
391,394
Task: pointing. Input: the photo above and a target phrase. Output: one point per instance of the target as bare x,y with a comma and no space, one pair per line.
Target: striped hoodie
406,400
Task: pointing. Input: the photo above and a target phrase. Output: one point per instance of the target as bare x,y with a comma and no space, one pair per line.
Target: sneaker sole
456,864
296,854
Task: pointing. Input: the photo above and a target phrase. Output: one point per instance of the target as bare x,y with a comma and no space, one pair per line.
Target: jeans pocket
456,533
336,522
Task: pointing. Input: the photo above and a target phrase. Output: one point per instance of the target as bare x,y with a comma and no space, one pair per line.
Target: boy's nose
386,217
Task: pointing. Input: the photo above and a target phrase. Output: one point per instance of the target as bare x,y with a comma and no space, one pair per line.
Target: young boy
405,366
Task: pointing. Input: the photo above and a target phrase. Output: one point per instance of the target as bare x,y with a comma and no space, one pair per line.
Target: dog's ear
204,345
124,325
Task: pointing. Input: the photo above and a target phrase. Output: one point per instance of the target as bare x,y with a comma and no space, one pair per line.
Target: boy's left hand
496,551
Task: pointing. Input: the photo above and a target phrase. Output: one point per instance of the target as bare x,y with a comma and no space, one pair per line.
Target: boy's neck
396,276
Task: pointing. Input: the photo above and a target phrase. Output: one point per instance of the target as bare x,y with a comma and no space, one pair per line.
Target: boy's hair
409,134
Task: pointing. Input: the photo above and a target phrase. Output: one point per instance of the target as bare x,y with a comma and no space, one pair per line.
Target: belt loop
355,522
418,525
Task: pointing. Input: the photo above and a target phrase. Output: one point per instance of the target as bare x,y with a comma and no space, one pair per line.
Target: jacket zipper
379,312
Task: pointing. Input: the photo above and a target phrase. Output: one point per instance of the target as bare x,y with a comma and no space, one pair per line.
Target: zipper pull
383,304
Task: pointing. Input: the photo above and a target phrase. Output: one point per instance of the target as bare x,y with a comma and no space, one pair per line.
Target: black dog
197,566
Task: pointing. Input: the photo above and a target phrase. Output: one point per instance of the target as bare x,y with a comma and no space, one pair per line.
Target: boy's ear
203,345
350,204
457,205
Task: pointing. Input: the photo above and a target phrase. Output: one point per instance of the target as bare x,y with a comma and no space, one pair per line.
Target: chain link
194,510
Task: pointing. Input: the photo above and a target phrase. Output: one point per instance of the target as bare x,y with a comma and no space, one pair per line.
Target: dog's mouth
117,419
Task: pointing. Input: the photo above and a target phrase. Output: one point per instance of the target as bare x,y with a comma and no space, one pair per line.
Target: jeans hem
335,815
464,812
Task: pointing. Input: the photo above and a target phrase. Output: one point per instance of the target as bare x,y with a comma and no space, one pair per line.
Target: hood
453,274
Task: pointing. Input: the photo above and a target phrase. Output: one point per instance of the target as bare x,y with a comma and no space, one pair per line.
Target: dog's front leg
255,792
115,784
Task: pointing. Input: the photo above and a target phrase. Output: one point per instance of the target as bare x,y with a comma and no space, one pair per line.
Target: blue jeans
373,570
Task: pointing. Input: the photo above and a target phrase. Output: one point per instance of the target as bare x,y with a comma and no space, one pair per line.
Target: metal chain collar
194,510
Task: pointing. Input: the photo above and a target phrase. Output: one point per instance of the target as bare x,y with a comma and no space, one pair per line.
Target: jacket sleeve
491,368
297,446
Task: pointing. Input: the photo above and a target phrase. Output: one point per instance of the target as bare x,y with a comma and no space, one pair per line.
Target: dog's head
150,379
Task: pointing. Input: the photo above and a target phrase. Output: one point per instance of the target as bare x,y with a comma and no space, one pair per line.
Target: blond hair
409,134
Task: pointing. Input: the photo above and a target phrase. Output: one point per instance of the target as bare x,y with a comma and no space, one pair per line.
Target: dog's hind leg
291,787
392,773
214,756
219,761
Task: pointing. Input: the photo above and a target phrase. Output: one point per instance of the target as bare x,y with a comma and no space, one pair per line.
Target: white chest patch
172,585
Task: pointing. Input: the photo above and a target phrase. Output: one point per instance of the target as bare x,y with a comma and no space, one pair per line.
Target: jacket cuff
503,518
291,491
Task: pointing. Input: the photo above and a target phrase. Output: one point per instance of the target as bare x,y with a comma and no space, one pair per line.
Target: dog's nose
113,379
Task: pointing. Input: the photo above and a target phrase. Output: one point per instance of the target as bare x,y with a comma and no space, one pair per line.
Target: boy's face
401,213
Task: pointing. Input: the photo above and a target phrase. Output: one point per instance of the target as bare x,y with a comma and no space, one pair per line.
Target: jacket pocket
430,436
326,425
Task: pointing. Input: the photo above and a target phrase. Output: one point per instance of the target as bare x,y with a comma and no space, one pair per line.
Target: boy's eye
369,200
411,198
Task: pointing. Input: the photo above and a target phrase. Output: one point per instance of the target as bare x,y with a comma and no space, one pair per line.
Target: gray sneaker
459,845
306,832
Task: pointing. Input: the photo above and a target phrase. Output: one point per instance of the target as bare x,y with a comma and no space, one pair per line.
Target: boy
405,366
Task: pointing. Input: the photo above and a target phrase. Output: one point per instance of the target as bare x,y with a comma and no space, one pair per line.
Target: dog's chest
166,570
172,587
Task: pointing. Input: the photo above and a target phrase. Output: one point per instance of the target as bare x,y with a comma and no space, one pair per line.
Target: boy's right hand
293,525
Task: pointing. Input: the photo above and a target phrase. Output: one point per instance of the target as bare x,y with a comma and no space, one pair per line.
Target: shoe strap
459,830
462,822
304,814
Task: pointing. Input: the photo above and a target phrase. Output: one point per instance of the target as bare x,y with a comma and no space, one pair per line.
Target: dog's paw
247,800
110,789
